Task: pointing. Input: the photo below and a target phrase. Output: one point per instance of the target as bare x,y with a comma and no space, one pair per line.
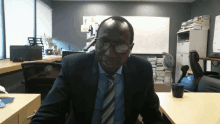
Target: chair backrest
196,68
209,84
184,69
32,71
33,68
39,71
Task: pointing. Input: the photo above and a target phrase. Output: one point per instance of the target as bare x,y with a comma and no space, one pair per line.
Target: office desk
17,111
7,66
193,108
207,58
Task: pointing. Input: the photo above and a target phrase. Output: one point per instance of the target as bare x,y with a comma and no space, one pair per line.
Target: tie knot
113,75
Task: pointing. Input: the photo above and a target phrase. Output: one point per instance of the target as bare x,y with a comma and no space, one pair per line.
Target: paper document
216,39
208,65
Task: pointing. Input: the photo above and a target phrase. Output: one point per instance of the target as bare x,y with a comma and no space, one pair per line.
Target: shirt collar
102,71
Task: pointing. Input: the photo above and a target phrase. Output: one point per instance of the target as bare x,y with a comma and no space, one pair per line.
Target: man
104,86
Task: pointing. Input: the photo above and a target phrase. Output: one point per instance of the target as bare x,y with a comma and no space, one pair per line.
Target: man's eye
122,47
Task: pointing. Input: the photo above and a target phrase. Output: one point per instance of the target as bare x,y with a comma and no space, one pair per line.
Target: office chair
39,78
209,84
197,70
184,70
58,61
187,81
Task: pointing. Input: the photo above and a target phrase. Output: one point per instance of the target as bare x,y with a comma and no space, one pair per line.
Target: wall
48,2
212,8
68,16
14,85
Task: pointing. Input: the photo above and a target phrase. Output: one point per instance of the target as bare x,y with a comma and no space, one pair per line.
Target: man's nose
109,52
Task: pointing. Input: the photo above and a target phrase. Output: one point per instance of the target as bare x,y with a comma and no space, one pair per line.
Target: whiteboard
216,39
151,34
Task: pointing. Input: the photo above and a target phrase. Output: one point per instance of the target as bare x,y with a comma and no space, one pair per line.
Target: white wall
19,22
44,20
1,31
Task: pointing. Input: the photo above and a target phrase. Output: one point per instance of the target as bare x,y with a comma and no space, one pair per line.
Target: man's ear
131,46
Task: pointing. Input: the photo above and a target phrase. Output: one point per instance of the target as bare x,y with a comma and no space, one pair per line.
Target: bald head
116,26
114,43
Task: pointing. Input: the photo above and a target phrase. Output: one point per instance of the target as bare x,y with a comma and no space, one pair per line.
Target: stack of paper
197,23
160,75
159,71
152,59
154,66
159,60
153,63
205,22
159,68
158,81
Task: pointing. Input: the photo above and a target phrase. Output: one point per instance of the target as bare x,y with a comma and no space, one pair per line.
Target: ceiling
185,1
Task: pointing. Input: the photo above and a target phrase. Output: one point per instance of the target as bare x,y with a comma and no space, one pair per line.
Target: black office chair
197,70
209,84
184,70
39,78
58,61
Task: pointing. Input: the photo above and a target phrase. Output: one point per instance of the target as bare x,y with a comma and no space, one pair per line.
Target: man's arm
150,110
56,102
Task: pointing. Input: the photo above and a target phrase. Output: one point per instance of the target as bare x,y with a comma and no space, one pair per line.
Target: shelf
186,31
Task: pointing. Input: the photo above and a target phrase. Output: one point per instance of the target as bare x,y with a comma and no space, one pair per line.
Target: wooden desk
7,66
17,111
212,59
193,108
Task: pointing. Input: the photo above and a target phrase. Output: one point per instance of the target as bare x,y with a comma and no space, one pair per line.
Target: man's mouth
109,63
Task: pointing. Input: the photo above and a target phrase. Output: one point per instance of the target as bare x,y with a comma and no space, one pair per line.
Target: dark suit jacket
78,82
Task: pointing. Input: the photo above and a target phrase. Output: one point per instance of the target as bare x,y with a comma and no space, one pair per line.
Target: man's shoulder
138,61
79,58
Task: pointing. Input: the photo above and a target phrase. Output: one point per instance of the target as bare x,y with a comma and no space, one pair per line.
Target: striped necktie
109,101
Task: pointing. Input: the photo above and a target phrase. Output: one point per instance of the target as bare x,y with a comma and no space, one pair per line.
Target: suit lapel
91,86
129,85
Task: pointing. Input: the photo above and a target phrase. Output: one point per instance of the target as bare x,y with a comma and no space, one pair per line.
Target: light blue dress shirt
119,97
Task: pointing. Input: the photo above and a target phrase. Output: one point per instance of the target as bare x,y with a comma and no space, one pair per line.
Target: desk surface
20,101
7,66
212,59
193,108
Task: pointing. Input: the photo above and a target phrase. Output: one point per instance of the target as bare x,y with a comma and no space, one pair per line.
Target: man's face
117,33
